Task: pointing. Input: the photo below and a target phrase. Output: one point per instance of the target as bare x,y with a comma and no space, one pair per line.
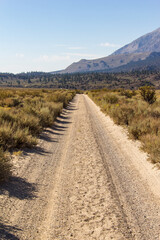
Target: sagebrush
24,113
140,114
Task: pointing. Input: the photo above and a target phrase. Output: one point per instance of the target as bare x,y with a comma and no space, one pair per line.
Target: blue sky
48,35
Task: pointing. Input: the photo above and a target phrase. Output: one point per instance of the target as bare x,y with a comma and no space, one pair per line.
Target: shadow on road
37,150
44,136
62,122
8,232
71,106
18,188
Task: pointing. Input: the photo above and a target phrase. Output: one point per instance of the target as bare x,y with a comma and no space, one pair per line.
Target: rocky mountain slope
151,63
147,43
136,51
105,63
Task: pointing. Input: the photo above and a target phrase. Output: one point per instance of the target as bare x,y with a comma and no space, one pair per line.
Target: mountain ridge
104,63
151,63
137,50
141,44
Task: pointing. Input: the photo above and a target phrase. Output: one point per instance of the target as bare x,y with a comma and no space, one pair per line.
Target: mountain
106,63
136,51
147,43
152,63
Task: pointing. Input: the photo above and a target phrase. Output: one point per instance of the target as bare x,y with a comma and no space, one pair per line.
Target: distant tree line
92,80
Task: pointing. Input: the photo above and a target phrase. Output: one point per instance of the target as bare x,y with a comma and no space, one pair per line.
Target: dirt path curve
85,180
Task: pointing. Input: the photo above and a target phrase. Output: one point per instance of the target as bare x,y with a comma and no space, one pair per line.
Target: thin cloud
52,58
61,45
111,45
86,55
69,56
76,48
19,55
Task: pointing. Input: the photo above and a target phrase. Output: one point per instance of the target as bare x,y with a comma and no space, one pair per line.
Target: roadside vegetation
138,110
24,113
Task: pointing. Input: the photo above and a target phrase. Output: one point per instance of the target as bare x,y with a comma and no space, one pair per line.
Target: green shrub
148,94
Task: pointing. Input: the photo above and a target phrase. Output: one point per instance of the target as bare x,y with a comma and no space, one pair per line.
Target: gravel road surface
85,180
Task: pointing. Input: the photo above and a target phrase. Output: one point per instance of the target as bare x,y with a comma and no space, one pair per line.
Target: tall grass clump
138,110
23,115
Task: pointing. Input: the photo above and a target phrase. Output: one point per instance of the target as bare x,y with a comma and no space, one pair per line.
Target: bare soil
85,180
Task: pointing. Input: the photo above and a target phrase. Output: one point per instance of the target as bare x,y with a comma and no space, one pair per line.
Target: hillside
151,63
147,43
105,63
135,51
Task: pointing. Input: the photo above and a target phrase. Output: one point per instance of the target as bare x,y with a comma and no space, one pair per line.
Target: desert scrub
5,166
148,94
24,113
138,110
127,93
110,98
12,137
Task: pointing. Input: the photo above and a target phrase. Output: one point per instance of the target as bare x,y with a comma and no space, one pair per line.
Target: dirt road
85,180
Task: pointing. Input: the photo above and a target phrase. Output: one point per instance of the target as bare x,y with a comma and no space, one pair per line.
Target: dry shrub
6,93
141,118
139,127
31,122
127,93
13,137
123,115
151,144
155,113
110,98
24,113
10,102
6,116
5,166
148,94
